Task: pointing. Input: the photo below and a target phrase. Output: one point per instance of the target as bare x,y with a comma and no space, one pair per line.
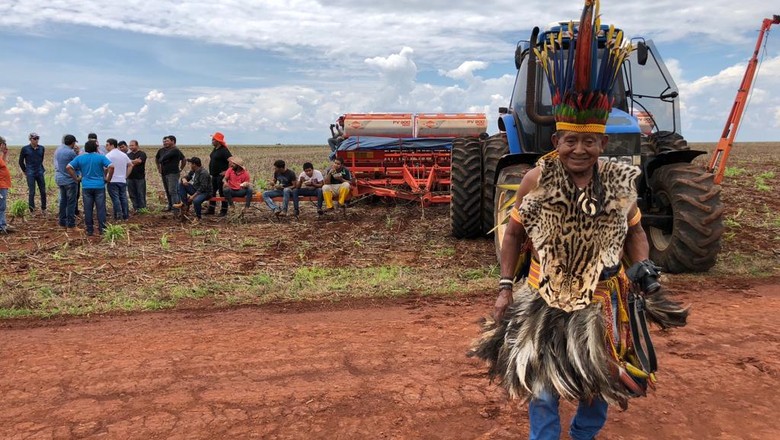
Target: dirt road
365,370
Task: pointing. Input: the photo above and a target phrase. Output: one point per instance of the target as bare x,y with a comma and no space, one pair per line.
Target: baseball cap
195,160
34,135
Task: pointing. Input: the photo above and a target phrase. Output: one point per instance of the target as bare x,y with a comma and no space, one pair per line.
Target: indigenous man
567,330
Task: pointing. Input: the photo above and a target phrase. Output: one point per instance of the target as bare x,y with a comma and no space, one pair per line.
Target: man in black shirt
282,184
218,164
136,180
170,161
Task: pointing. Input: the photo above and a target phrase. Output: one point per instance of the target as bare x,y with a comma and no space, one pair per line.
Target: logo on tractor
432,124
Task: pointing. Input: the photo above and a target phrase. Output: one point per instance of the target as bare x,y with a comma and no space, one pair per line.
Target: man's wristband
506,283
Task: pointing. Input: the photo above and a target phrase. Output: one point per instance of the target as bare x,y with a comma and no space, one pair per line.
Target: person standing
63,155
117,187
571,328
170,163
31,163
218,165
337,136
96,171
5,185
136,180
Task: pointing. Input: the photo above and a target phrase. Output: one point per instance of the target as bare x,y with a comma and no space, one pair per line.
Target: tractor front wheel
494,148
466,188
689,194
509,179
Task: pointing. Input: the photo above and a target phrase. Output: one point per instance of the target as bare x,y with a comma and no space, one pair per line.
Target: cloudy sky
273,71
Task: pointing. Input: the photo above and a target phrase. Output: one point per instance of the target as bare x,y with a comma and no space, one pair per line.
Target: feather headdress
581,78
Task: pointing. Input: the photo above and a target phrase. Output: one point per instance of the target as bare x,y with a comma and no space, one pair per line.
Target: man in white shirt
309,183
117,188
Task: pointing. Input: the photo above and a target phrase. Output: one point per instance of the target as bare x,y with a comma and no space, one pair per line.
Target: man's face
337,165
167,143
109,147
278,170
34,141
309,171
215,143
133,146
193,167
579,151
123,148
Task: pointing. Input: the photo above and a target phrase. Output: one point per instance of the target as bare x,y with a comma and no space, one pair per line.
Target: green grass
113,233
734,172
19,209
164,244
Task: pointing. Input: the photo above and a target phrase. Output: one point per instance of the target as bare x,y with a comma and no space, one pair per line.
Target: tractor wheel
689,194
663,141
493,149
466,188
509,176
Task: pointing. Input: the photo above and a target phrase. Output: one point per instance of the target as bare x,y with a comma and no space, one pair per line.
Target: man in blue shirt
31,163
95,171
64,154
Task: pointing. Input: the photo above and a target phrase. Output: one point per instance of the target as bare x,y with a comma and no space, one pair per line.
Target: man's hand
503,301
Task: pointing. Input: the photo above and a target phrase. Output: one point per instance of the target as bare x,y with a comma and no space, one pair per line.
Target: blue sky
281,71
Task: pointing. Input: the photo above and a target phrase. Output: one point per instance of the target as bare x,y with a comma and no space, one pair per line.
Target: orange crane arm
721,154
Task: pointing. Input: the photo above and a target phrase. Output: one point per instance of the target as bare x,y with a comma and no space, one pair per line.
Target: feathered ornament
581,78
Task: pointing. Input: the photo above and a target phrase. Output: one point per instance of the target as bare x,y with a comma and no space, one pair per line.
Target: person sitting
337,181
238,183
282,184
195,188
309,183
337,136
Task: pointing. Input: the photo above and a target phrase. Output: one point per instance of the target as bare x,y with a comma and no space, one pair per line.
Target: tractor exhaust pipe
530,90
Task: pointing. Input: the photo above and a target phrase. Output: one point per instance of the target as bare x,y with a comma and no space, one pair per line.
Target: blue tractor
680,203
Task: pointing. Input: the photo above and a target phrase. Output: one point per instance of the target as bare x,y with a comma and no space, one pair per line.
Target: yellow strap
635,219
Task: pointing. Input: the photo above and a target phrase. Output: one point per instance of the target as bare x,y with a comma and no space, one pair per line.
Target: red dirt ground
393,370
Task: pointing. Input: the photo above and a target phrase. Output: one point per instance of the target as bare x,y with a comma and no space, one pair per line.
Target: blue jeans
32,180
247,193
307,192
68,204
3,205
546,421
137,190
268,196
94,197
188,190
118,193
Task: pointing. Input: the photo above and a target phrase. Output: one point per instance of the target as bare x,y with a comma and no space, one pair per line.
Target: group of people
118,168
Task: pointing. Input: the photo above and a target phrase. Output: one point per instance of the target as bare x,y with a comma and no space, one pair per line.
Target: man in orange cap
218,165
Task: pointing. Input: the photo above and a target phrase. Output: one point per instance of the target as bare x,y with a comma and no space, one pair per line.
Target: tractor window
653,94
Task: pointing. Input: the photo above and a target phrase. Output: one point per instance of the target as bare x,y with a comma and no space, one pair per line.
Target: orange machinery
721,154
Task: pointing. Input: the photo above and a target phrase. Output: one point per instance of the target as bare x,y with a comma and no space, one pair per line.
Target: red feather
582,54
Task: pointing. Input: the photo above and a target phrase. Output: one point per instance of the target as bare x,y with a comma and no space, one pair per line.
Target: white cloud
155,96
465,71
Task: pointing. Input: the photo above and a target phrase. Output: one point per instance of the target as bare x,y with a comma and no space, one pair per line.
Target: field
340,326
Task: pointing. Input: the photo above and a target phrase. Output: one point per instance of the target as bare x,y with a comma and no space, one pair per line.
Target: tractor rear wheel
493,149
664,141
466,188
510,176
689,194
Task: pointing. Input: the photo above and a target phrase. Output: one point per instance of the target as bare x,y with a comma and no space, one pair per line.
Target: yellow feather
508,186
509,203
